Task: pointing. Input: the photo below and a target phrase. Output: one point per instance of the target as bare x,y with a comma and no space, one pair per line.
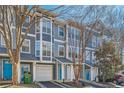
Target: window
76,52
2,41
61,51
37,48
87,55
70,52
94,41
72,33
61,31
27,19
46,49
93,57
69,32
77,35
37,36
26,46
46,26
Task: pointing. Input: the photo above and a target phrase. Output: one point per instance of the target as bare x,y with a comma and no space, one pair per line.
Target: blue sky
49,6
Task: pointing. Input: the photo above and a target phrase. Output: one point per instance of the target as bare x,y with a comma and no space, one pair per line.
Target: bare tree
83,17
16,16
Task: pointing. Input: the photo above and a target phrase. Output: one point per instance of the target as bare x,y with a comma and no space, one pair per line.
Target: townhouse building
27,55
47,52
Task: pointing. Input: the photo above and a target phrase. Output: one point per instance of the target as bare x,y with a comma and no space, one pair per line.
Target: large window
93,57
61,51
70,52
76,53
2,40
26,46
46,26
94,41
37,49
27,19
61,31
87,55
46,49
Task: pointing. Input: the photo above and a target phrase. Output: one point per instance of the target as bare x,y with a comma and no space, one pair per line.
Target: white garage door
43,72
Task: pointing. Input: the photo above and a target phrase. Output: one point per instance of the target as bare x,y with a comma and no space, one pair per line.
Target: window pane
61,31
46,26
38,53
25,49
25,46
70,55
46,49
61,51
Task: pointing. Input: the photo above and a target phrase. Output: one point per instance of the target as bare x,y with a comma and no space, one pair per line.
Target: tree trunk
15,74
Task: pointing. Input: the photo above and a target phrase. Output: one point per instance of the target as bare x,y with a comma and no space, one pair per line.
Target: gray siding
56,33
25,56
3,50
46,58
56,48
32,44
54,72
32,29
46,37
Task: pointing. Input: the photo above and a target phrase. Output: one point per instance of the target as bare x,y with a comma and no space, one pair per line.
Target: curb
41,85
116,86
5,86
57,84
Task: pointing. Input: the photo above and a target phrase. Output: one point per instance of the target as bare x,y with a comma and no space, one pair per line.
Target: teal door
7,70
87,74
59,72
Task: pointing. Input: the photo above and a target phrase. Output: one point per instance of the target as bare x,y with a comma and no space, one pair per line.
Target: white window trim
36,49
2,42
94,41
46,49
46,26
29,47
70,47
59,48
59,31
28,19
87,55
93,57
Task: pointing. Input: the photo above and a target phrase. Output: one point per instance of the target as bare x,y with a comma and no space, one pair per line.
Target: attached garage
44,72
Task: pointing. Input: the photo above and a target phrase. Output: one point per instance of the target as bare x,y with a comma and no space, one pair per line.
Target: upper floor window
93,57
26,46
76,53
37,48
70,52
46,46
61,51
94,41
61,31
46,26
87,55
27,20
2,41
77,35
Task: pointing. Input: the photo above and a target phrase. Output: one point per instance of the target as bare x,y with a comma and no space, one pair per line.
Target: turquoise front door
59,72
87,74
7,70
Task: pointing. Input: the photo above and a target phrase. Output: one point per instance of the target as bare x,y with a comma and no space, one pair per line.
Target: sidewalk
5,86
96,85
